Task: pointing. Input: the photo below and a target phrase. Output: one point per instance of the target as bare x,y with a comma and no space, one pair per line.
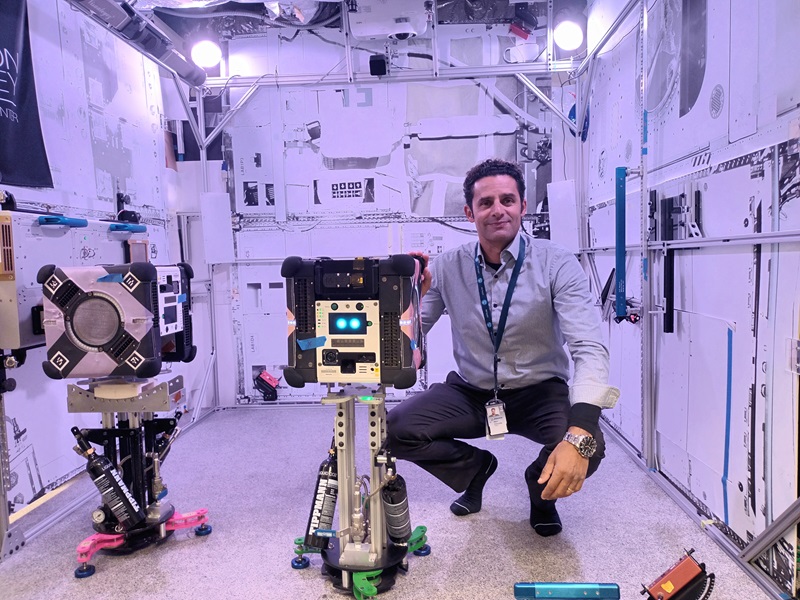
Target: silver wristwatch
586,445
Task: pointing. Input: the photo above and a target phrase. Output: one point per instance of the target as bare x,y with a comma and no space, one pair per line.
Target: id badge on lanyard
496,423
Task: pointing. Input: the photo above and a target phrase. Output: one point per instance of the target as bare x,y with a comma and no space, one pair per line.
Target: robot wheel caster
84,571
300,562
203,530
423,551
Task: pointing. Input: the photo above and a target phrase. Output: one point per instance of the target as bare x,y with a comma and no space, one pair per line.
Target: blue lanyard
497,336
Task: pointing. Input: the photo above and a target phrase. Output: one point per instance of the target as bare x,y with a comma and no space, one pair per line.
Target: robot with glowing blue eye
357,321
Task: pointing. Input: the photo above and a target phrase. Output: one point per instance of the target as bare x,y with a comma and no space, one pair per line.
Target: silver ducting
121,19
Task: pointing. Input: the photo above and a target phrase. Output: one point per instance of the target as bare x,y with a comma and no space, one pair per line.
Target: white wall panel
624,346
422,237
625,372
744,79
259,311
673,461
603,223
615,128
736,196
347,242
688,81
786,383
602,16
42,455
716,438
275,53
672,384
101,122
783,23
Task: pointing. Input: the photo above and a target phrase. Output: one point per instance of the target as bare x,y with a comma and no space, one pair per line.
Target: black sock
545,520
470,501
544,516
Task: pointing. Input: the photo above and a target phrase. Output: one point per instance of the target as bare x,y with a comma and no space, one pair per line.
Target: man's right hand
427,278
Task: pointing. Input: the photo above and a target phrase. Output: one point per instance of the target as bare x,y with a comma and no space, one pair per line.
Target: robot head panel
115,321
354,321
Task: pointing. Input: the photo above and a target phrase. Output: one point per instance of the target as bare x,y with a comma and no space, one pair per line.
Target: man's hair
489,168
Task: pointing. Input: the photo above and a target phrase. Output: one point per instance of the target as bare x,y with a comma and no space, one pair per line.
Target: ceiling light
206,54
567,35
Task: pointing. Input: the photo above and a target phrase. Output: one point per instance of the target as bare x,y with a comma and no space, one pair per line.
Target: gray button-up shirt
551,305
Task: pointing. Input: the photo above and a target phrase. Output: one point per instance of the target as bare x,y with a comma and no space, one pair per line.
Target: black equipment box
354,321
115,320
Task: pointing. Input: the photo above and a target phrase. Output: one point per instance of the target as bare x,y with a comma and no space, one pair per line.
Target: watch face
587,446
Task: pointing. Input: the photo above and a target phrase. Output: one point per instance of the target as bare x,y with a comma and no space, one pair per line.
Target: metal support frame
627,10
344,430
5,471
348,49
435,39
772,303
334,79
352,526
647,320
583,108
547,102
747,239
774,531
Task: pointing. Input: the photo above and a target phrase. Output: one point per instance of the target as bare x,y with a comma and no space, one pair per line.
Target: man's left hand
565,470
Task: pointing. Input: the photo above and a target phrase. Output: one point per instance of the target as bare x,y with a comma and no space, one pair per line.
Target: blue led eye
341,323
355,323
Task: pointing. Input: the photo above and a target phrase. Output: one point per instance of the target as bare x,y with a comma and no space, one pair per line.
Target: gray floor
254,469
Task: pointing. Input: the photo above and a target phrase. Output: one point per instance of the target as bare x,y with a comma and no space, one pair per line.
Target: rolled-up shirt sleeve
433,303
579,321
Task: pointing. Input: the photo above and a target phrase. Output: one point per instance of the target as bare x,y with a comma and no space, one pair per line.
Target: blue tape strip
727,426
644,127
312,343
111,278
181,298
644,268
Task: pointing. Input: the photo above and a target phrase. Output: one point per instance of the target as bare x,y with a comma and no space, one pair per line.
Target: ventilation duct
126,23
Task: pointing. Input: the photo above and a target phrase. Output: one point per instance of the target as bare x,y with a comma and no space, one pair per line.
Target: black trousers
425,429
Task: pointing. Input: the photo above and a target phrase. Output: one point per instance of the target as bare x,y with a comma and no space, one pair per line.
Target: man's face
496,210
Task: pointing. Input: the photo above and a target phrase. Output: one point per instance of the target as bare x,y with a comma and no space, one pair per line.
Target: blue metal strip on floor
727,426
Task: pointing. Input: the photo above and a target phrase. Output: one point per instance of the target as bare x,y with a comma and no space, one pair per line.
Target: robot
111,327
356,322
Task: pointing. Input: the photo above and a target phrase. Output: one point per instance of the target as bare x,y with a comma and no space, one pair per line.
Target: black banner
23,159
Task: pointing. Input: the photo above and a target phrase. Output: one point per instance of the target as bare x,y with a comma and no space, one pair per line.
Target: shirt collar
512,249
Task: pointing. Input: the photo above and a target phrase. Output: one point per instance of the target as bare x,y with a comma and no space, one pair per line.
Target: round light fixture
206,54
568,35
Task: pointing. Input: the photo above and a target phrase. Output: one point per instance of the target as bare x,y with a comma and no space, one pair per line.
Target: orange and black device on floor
685,580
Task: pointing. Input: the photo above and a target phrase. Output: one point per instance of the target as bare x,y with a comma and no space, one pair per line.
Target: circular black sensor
95,321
